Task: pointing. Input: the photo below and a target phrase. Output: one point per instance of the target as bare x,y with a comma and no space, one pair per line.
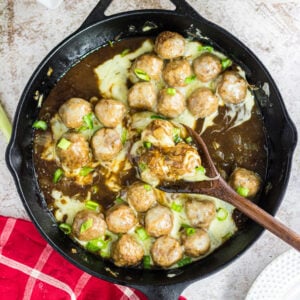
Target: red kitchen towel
31,270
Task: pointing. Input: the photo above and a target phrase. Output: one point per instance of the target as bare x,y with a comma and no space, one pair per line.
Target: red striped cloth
31,270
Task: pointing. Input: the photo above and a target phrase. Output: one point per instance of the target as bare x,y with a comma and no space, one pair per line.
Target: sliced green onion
171,91
105,252
95,245
111,43
147,261
119,200
40,124
222,214
176,135
142,74
176,207
147,145
189,139
185,225
190,230
226,62
147,187
92,205
88,120
124,136
142,234
58,175
177,139
66,228
190,79
185,261
142,166
64,144
242,191
158,117
125,52
86,225
201,169
84,171
206,48
95,189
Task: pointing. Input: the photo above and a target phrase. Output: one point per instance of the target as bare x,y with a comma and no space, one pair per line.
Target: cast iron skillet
97,30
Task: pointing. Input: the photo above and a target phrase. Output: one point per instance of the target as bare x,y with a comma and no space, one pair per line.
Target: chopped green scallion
242,191
190,79
147,261
171,91
111,43
189,139
147,187
125,52
158,117
95,189
105,252
92,205
88,120
176,207
40,124
124,136
201,169
142,74
142,166
190,230
185,261
58,175
205,48
64,144
119,200
147,145
84,171
142,234
66,228
95,245
226,62
86,225
222,214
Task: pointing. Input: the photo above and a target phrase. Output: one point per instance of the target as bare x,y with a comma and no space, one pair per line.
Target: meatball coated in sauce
142,95
169,45
166,251
200,213
171,104
106,144
150,64
243,178
77,154
88,225
73,111
176,72
207,67
159,133
202,102
141,196
196,244
159,221
127,251
232,88
120,218
110,112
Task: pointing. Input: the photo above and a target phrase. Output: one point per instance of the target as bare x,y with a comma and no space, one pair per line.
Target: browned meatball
73,111
127,251
200,213
77,154
159,221
169,45
176,72
106,144
243,178
232,88
150,64
141,196
202,103
120,218
88,225
166,251
142,95
159,133
207,67
110,112
171,103
197,243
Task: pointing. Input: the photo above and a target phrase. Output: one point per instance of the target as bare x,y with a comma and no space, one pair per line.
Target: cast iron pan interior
97,30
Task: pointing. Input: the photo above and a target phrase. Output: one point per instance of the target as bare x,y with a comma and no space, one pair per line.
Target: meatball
197,243
88,225
171,104
142,95
159,221
169,45
73,111
159,133
166,251
207,67
127,251
176,72
141,196
232,88
77,154
200,213
150,64
120,218
202,103
243,178
106,144
110,112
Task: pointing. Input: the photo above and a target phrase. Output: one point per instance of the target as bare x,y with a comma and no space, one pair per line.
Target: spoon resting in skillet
219,188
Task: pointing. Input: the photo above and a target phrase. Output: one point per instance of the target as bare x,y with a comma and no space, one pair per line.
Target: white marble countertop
28,31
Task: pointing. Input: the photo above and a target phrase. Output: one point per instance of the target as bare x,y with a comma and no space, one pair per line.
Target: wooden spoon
219,188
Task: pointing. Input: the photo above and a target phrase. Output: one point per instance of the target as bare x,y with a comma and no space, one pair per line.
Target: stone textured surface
28,31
